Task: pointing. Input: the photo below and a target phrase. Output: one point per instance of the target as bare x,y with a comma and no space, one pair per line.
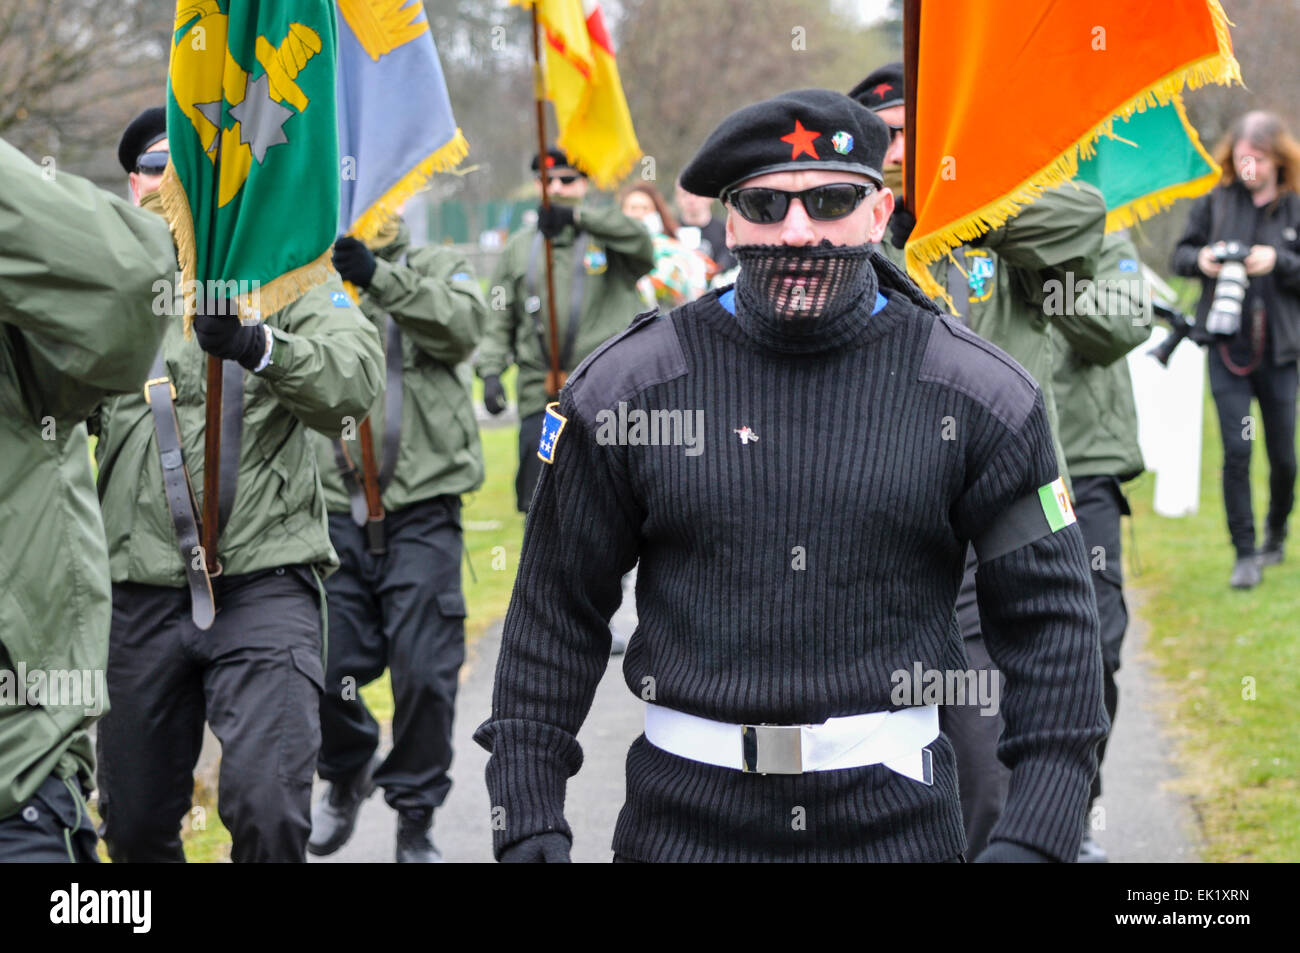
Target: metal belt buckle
772,749
158,380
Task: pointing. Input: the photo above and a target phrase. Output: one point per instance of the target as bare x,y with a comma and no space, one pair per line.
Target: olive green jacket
325,369
77,269
617,252
438,305
1094,391
1008,274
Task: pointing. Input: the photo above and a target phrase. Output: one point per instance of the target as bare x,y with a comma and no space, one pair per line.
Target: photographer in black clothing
1255,356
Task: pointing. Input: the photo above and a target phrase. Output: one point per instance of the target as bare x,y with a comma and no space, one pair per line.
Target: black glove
494,395
1009,852
354,261
551,221
538,849
901,224
220,334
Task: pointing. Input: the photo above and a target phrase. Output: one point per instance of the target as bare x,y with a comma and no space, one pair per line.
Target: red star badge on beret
801,141
880,88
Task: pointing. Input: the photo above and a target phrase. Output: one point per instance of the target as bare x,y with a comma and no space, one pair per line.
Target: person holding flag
393,487
251,133
599,256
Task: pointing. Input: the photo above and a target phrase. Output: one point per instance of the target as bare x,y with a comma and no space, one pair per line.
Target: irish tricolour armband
552,427
1031,517
1056,504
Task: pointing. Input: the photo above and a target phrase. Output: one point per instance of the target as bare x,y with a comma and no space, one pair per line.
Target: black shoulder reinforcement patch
647,353
962,360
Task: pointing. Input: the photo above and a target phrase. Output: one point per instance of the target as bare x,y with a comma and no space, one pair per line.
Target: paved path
1142,821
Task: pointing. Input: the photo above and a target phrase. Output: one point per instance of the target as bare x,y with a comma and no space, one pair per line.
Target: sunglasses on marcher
151,163
823,203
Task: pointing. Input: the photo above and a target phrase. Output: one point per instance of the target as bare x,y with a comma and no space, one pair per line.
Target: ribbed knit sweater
783,580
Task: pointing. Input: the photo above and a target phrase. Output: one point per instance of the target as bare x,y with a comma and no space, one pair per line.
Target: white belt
896,739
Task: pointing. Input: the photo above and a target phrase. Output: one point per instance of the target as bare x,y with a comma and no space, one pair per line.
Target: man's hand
1261,260
538,849
1009,852
220,333
354,261
1208,264
551,221
494,395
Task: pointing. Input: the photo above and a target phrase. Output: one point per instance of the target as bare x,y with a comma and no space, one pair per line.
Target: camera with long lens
1224,318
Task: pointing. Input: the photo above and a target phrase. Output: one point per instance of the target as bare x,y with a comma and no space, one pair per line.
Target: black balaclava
802,299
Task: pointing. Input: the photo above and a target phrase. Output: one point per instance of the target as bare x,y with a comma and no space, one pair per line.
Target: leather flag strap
160,394
354,478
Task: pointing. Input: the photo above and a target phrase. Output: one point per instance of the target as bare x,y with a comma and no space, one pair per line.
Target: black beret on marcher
555,159
803,129
882,88
145,129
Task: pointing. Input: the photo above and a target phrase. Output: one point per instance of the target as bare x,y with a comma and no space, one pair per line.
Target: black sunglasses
151,163
562,179
823,203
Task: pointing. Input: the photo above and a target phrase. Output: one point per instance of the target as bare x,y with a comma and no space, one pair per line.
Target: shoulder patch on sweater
647,353
962,360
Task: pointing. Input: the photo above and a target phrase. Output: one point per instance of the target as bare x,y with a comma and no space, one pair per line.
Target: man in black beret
142,151
822,443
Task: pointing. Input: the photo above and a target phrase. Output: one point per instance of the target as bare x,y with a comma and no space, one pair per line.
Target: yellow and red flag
1011,94
582,81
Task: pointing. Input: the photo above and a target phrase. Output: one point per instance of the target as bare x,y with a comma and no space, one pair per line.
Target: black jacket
1228,213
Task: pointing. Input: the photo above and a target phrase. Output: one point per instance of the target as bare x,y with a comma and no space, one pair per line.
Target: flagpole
212,431
553,377
911,53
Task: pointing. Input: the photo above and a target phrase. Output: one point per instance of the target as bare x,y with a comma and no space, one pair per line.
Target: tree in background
74,72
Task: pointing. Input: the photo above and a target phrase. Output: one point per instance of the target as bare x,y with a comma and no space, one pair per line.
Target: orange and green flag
252,189
1012,94
582,81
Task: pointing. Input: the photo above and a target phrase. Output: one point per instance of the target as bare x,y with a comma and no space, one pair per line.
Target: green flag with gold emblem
252,189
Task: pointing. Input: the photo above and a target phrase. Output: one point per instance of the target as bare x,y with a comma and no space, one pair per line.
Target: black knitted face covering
801,299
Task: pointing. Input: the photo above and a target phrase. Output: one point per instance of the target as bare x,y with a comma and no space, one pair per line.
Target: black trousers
1275,389
530,465
982,780
50,827
403,611
256,675
1099,503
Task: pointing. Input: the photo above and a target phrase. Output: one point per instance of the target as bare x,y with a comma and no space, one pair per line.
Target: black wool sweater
783,580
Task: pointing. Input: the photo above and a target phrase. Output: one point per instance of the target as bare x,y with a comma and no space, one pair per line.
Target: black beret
803,129
882,88
555,159
145,129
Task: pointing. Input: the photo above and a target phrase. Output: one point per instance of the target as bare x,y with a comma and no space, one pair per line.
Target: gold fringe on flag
1220,68
445,158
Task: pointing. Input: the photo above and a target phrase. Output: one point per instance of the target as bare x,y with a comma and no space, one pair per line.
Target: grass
1230,661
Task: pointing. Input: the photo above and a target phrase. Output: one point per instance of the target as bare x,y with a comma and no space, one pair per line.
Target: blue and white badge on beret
552,427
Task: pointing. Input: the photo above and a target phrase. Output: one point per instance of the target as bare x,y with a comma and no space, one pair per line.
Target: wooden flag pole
911,55
212,431
554,379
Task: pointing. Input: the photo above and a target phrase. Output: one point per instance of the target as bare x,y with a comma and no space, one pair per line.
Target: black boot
414,845
334,816
1272,552
1245,572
